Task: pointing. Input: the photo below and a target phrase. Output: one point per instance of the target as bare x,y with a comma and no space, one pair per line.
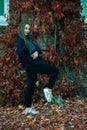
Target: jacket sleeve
22,52
38,47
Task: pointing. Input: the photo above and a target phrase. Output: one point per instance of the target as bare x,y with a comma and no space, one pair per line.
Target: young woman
33,63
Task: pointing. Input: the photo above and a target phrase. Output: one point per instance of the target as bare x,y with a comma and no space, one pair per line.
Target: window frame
84,7
3,18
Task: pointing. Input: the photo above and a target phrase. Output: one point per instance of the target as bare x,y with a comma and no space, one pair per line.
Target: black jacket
24,54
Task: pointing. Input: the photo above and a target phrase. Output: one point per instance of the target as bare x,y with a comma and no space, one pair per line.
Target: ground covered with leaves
51,117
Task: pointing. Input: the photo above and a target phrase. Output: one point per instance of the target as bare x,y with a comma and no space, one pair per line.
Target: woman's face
26,29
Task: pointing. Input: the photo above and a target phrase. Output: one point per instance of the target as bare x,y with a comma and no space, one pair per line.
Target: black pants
32,71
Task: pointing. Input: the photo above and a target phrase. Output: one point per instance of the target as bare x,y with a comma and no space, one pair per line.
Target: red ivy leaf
77,121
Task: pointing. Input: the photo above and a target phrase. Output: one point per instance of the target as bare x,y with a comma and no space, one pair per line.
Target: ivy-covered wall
55,23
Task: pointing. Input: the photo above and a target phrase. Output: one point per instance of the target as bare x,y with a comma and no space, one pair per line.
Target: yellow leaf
21,107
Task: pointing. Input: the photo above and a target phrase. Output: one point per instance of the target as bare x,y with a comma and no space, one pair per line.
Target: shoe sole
45,91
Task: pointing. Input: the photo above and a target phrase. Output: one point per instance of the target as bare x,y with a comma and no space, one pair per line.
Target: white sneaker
30,111
48,94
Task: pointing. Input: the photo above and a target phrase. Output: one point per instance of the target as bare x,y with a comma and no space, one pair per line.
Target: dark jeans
32,71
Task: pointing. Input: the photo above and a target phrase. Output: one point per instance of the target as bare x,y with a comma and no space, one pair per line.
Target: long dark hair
21,29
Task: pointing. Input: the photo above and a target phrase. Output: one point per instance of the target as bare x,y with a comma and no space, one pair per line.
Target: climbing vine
61,19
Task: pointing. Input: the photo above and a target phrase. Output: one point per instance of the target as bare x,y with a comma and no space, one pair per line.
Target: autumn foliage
62,16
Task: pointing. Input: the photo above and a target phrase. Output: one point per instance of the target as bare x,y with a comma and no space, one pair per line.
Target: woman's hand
35,55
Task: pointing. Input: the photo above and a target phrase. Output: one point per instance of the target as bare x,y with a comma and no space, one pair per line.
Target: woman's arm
22,51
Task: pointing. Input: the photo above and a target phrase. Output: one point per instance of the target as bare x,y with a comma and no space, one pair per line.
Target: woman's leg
48,69
31,80
52,71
